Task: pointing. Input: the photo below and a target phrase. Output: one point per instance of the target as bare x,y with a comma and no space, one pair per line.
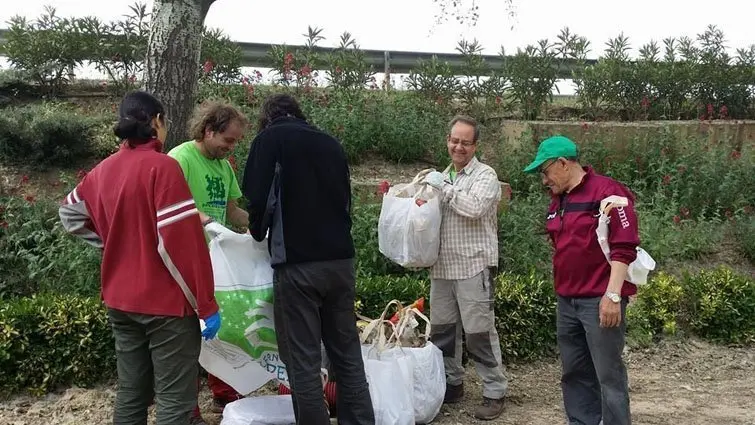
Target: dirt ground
688,383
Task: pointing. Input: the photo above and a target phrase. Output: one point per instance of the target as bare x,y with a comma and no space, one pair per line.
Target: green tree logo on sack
245,352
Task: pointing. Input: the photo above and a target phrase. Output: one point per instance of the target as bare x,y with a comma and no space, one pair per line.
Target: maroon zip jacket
580,268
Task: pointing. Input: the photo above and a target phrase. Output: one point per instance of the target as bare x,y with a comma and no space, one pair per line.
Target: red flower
723,112
338,70
305,71
4,224
508,193
677,219
666,180
684,211
645,103
735,154
29,198
24,179
710,110
498,100
585,126
232,161
208,66
383,187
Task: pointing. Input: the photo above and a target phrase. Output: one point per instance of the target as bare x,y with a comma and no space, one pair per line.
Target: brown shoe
489,410
454,393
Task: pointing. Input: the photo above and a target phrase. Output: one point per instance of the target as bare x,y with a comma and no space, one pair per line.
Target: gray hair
469,121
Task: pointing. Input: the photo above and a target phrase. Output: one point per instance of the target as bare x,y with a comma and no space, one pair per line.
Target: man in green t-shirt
215,129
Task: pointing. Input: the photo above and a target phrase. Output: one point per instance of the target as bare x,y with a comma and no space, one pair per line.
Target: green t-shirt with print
212,181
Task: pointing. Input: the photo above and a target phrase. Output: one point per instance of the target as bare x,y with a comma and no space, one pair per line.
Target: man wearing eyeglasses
462,289
592,292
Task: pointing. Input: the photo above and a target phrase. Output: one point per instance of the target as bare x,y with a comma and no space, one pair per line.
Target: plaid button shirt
469,227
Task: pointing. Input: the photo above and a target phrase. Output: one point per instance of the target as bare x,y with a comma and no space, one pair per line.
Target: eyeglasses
545,169
464,143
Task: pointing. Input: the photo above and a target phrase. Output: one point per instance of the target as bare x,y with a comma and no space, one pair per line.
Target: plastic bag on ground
408,233
420,367
262,410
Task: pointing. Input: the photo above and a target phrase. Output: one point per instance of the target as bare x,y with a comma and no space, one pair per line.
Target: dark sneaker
454,393
489,410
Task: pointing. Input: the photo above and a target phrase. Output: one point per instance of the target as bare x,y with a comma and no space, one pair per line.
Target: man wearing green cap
592,292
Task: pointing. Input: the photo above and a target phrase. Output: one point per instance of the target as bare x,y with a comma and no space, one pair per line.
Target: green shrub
46,135
745,234
375,292
668,236
523,244
525,308
37,255
52,340
656,309
721,305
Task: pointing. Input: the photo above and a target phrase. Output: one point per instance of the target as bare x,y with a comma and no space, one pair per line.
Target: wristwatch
208,221
613,297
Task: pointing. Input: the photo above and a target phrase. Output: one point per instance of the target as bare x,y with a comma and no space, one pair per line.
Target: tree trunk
172,62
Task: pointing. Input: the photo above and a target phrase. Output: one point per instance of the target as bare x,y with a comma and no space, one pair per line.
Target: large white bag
390,375
429,371
638,270
245,352
262,410
409,234
426,374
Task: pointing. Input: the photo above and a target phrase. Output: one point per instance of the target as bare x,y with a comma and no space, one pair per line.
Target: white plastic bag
429,371
245,352
390,375
262,410
638,270
409,234
422,367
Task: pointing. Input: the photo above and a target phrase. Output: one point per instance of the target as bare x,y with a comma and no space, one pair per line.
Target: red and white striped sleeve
75,217
181,241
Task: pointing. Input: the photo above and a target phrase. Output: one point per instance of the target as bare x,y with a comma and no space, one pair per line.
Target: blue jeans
594,378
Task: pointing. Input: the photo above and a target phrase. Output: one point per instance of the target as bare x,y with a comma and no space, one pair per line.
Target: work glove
212,325
435,179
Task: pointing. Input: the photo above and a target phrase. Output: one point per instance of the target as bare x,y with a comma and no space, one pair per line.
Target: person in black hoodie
297,182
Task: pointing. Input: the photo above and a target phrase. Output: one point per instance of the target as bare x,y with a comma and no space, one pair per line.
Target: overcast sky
410,24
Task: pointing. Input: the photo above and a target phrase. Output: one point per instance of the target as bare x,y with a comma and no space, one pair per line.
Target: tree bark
172,62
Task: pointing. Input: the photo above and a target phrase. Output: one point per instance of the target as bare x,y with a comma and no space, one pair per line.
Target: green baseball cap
552,148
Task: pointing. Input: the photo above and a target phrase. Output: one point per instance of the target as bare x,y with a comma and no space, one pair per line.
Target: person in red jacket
592,291
156,274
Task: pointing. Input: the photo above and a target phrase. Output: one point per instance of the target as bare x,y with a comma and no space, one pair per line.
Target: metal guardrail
256,55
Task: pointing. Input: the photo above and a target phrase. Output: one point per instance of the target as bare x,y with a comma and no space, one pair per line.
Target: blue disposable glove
212,325
435,179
